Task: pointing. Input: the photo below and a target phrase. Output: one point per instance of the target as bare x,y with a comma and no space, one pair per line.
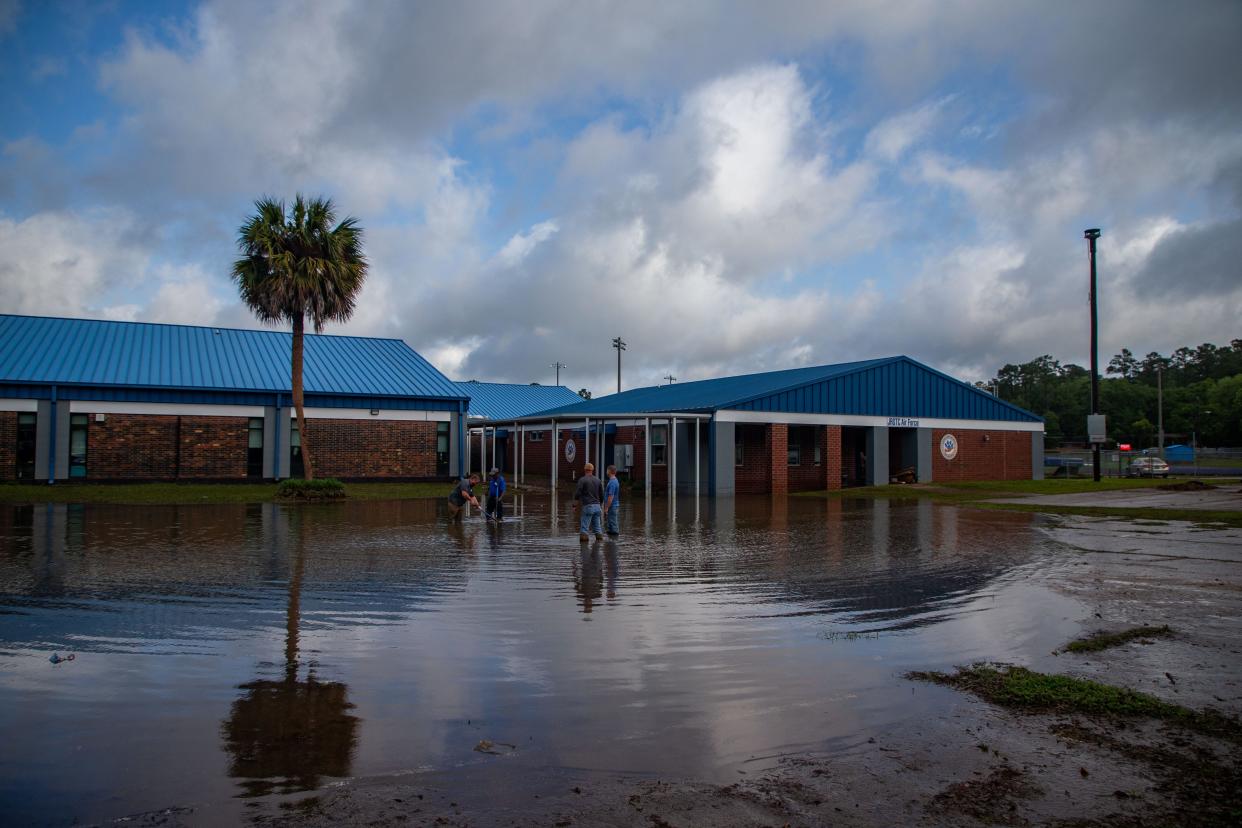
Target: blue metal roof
502,400
893,386
145,355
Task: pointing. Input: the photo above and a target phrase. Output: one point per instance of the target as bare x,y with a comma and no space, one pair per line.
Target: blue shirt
496,486
613,490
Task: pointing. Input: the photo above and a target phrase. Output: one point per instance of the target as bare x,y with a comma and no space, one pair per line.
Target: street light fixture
619,344
558,365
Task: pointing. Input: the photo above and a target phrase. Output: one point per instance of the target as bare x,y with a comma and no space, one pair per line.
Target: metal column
494,430
672,455
647,455
697,438
556,451
586,442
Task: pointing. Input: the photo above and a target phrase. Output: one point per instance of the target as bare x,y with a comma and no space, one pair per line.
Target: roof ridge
194,327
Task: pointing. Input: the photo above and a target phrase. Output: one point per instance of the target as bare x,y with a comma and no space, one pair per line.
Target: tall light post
1160,408
671,379
558,365
1091,235
619,344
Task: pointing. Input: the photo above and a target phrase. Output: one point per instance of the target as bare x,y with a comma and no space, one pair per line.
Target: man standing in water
495,491
588,496
612,502
462,494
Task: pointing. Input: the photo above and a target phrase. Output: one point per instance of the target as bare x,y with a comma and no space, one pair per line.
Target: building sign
1097,430
571,451
948,447
903,422
1124,447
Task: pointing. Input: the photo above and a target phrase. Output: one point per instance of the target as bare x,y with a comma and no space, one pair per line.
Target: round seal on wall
948,447
571,451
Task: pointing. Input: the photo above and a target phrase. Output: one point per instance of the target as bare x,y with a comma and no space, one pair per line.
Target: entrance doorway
853,456
903,454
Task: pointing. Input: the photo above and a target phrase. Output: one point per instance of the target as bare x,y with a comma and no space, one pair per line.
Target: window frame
659,449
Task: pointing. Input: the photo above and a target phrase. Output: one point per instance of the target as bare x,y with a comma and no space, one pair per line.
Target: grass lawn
184,493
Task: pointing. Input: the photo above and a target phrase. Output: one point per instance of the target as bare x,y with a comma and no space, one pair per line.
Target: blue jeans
614,512
591,515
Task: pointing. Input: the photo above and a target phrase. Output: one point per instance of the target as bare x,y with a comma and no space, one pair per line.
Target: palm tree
296,264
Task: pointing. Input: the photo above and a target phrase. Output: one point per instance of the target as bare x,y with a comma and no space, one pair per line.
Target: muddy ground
982,765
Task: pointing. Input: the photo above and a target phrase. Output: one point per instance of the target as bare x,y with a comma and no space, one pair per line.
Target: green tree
297,263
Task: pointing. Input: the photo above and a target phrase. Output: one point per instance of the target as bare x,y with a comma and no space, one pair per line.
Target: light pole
1091,235
619,344
671,379
558,365
1160,409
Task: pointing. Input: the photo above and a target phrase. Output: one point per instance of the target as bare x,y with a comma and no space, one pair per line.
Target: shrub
325,489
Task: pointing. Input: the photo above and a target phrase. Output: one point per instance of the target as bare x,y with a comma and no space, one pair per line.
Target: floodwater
227,655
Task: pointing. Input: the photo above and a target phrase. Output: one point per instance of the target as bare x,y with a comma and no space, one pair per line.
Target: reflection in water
285,735
722,643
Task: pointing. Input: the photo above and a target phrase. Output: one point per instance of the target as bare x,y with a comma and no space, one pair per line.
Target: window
738,455
254,448
26,424
659,445
442,449
795,454
296,467
77,445
535,436
817,453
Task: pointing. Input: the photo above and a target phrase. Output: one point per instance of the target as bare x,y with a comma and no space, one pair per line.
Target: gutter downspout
276,440
461,439
51,454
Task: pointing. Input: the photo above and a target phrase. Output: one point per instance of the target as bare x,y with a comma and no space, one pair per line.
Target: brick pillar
778,457
830,450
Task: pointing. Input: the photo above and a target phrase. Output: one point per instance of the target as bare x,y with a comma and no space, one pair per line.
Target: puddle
226,655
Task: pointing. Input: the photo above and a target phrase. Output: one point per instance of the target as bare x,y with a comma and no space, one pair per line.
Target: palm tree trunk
298,326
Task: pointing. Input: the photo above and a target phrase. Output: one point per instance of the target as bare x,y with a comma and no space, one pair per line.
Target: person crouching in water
589,495
462,494
495,491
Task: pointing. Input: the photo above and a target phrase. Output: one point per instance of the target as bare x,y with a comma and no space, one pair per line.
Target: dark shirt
590,490
460,494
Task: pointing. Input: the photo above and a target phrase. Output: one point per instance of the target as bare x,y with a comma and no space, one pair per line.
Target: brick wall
131,447
1004,455
777,439
830,450
807,475
8,445
752,477
372,448
214,447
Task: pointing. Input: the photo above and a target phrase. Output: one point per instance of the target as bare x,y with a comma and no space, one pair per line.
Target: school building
822,427
105,401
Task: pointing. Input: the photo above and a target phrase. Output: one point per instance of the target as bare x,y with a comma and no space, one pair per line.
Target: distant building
822,427
502,401
95,400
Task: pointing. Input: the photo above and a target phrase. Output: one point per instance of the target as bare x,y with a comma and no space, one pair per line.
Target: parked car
1148,467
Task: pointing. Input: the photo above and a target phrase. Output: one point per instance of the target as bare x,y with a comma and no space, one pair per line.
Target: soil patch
1103,640
992,800
1186,486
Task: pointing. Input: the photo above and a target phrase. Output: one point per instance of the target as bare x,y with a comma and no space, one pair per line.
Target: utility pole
1160,408
619,344
1091,235
671,379
558,365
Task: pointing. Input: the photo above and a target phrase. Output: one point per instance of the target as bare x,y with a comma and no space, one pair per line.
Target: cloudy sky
728,186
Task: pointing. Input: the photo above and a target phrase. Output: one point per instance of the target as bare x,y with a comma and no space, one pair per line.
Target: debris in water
56,658
488,746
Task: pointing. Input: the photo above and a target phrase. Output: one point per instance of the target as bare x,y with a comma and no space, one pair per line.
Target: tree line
1202,396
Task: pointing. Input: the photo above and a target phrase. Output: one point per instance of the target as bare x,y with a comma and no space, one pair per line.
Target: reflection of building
238,555
822,427
124,400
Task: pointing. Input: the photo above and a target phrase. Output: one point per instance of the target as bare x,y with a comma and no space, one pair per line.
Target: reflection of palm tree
284,735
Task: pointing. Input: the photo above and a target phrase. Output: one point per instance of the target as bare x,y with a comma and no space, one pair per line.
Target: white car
1148,467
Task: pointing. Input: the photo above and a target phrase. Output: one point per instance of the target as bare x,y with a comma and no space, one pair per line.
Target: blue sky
766,186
